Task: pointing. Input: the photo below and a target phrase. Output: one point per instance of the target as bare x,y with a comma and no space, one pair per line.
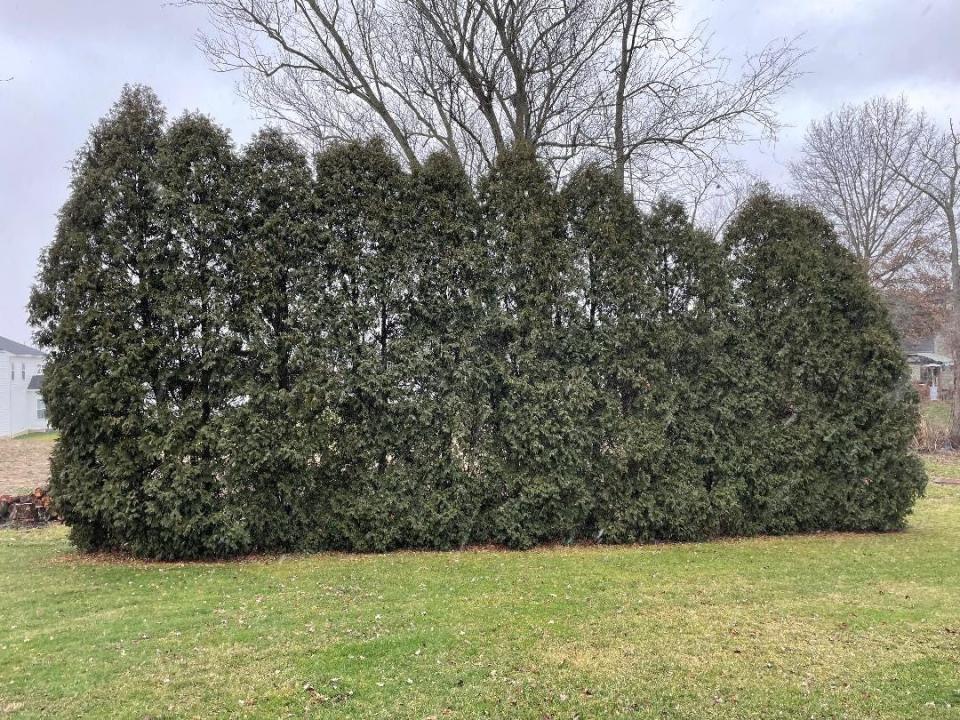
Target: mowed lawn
823,626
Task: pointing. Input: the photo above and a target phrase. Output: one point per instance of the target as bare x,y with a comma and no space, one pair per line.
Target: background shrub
253,352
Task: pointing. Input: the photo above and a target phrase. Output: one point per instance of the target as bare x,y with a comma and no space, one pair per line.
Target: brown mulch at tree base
944,481
24,465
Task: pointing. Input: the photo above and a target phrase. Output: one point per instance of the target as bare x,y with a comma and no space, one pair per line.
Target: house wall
5,395
921,379
946,379
18,404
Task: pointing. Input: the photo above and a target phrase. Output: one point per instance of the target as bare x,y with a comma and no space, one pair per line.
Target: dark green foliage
270,280
835,413
538,440
698,398
367,222
446,356
93,307
614,345
252,354
189,510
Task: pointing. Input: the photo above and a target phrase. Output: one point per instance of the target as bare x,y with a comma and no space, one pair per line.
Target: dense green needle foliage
251,352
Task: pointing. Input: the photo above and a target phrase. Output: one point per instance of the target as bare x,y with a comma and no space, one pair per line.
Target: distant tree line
253,351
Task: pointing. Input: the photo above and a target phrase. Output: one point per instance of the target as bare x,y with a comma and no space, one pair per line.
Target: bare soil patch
24,465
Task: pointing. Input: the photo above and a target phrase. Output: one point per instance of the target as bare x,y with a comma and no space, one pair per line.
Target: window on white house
23,371
41,410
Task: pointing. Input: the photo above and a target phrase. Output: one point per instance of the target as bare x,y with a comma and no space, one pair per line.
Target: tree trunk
953,330
619,140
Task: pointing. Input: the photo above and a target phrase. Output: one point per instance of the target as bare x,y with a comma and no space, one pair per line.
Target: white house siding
18,405
5,426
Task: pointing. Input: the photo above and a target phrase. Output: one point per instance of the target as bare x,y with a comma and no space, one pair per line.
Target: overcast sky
67,61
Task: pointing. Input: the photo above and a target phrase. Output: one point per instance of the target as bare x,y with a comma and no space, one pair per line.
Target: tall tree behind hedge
191,509
538,443
838,411
92,305
270,274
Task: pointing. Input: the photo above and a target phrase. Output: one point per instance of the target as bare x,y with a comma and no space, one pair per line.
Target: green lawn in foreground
826,626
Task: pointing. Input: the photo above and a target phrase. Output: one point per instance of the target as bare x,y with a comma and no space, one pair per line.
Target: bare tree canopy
926,156
614,80
888,223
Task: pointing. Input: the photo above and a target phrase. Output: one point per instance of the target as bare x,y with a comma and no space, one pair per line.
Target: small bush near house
251,353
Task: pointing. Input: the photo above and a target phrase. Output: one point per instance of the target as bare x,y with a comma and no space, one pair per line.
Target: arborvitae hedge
253,352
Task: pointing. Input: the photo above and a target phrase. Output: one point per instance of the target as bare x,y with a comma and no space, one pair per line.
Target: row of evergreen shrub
253,352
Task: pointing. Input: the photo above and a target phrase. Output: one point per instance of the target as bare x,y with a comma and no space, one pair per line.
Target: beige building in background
931,367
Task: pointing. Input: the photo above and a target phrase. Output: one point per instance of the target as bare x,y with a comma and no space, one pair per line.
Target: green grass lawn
822,626
944,466
937,412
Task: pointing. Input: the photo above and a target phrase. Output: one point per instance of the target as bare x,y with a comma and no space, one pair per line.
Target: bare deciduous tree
927,157
713,187
610,79
886,221
918,300
671,91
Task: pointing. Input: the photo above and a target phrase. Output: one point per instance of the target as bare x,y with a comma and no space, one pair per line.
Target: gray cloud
857,49
69,59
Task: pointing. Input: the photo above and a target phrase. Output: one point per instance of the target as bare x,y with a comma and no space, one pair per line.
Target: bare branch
578,79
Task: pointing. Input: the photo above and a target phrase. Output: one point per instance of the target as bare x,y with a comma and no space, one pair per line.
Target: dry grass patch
24,463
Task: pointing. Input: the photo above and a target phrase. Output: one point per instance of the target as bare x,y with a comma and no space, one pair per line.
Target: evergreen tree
614,333
697,353
453,293
92,307
191,510
269,277
837,411
537,442
367,219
